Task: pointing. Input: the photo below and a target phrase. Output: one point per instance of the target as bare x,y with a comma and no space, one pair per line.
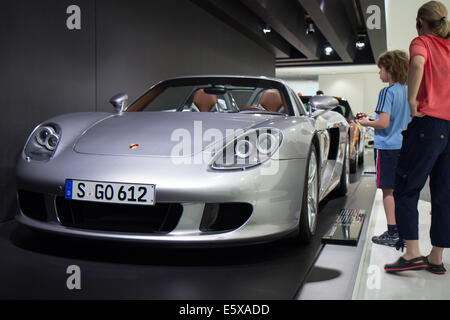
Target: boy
392,117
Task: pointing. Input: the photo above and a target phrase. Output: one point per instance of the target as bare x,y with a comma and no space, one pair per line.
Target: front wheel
354,163
310,200
361,156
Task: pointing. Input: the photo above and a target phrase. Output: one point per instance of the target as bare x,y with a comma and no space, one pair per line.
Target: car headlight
43,142
248,150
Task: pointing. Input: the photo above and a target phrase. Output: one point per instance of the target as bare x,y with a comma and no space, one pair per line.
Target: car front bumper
275,198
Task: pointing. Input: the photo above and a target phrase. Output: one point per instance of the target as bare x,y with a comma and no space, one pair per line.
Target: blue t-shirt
394,101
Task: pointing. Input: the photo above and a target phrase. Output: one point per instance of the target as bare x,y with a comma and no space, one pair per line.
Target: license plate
125,193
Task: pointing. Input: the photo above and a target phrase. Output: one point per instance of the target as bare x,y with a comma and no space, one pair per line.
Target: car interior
269,100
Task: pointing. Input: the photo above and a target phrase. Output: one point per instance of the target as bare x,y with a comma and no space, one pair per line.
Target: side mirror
119,102
323,102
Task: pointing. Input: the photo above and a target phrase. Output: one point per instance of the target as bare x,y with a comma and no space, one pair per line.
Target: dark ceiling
337,23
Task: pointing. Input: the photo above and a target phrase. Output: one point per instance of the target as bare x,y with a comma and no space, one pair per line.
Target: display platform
37,264
347,228
335,271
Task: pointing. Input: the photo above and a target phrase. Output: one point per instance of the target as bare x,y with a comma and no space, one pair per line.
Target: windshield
221,95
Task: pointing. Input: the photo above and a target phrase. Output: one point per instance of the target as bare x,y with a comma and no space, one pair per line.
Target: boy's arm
381,123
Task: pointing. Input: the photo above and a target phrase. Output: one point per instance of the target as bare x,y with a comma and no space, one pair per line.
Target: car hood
162,134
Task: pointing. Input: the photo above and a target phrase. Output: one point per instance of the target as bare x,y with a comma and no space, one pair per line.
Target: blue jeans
425,152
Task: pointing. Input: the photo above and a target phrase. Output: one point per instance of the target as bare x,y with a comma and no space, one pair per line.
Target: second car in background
357,133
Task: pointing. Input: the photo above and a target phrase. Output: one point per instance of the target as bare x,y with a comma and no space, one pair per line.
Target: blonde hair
436,15
396,63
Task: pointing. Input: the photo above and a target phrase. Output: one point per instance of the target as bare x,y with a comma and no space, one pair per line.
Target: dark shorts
386,163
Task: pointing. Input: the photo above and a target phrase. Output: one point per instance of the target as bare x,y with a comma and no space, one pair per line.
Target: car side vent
334,144
32,205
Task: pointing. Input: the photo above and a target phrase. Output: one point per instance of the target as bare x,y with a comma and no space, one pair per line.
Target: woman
392,117
426,147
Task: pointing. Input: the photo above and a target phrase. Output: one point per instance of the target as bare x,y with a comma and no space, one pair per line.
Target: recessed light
328,50
266,29
360,44
310,28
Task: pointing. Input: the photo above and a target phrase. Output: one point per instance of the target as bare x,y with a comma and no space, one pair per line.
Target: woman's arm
415,74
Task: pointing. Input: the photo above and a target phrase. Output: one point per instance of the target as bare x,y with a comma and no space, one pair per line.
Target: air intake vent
161,218
32,205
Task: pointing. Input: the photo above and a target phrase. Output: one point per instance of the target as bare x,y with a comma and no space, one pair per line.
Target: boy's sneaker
386,239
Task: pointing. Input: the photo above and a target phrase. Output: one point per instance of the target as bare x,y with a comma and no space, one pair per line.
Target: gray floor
425,194
33,266
335,271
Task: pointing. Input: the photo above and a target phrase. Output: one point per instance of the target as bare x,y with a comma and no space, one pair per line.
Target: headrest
204,101
271,100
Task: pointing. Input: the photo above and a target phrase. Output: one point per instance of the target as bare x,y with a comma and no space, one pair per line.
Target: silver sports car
205,160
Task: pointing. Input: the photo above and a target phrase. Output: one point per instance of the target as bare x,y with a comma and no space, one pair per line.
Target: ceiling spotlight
328,50
309,25
360,45
266,29
310,28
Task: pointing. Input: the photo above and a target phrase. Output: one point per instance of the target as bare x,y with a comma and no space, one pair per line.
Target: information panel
347,228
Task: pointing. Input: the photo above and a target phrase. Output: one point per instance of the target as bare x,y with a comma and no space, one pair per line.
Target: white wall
401,22
360,89
360,84
306,87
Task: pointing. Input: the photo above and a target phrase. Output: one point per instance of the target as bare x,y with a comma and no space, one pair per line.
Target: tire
354,163
361,156
345,174
310,198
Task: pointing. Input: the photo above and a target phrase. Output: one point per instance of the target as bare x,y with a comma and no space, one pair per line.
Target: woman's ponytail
436,15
